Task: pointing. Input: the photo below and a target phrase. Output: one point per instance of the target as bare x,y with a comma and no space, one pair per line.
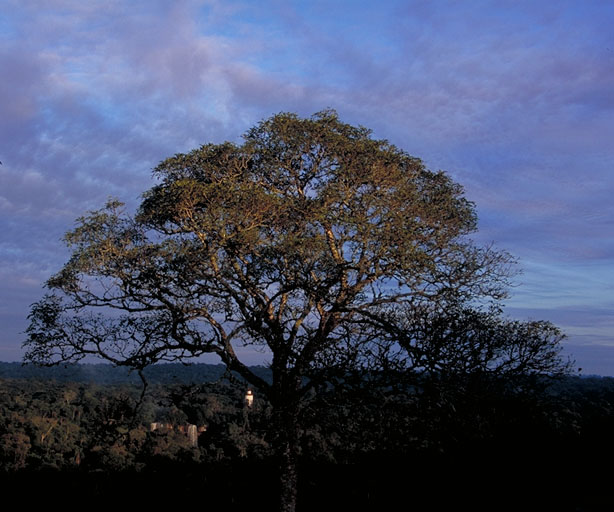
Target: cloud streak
514,99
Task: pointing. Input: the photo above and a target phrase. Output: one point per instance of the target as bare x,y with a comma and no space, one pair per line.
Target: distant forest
106,374
84,433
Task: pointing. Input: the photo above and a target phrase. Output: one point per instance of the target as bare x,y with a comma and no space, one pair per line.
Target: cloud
514,99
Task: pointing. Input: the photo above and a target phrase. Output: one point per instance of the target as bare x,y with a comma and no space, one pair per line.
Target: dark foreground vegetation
82,436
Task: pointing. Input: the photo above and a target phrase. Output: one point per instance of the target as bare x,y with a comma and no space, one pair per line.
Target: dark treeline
490,444
106,374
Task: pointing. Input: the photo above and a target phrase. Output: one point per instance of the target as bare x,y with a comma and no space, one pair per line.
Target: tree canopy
324,247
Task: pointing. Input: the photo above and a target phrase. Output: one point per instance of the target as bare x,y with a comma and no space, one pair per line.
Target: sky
514,99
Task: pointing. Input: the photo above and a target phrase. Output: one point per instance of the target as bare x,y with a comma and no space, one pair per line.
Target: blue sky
514,99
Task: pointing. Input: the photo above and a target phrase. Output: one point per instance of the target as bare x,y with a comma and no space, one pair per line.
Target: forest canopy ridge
107,374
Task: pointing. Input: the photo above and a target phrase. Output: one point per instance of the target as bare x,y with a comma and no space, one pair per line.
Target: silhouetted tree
311,240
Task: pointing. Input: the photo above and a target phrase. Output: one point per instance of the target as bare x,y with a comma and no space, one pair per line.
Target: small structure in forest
249,398
190,430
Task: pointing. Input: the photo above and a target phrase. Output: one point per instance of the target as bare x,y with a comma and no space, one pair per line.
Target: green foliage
302,239
76,426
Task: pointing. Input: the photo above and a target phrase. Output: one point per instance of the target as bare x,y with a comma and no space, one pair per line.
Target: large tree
310,240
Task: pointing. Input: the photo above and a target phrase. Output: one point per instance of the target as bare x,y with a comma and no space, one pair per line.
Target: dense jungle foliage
84,433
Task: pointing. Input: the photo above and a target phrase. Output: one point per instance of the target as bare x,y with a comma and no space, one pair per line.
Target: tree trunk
288,478
287,445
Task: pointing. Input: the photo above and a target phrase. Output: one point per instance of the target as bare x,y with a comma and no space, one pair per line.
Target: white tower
193,435
249,398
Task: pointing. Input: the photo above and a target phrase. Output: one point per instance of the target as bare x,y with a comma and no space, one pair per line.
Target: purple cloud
514,99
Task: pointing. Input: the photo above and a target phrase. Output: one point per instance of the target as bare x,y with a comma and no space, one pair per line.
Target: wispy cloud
514,99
